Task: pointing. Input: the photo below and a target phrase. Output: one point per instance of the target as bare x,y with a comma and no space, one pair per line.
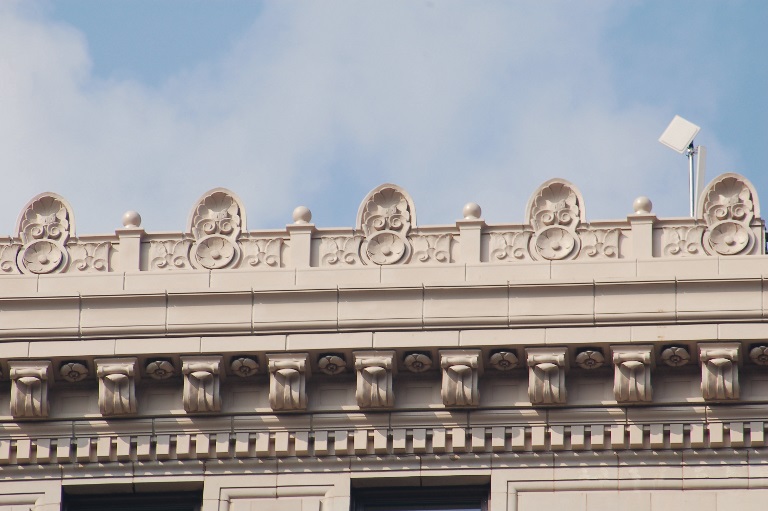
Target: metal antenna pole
691,177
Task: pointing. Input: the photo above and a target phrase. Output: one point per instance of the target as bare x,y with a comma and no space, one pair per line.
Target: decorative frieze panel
262,253
632,374
719,370
117,385
44,227
202,379
510,246
340,251
546,375
169,255
89,257
385,218
288,374
682,241
461,372
554,212
728,206
600,243
29,388
375,371
432,248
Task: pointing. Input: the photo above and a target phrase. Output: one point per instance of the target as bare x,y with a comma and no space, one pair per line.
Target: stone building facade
553,363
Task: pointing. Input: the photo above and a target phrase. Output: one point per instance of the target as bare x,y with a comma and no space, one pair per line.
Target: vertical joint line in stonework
253,313
676,297
338,299
165,325
80,315
423,299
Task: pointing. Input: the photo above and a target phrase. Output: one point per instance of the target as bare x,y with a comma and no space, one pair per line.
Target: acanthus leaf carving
117,385
546,375
202,379
169,255
632,373
600,243
432,248
340,250
216,224
29,388
682,241
90,257
728,207
555,211
374,378
510,246
461,372
719,370
385,218
44,228
288,374
8,261
261,252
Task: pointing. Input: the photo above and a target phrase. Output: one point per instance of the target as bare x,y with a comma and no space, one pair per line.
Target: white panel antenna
679,136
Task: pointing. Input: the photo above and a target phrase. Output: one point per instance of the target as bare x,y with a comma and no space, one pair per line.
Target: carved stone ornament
675,356
554,212
262,253
340,250
510,246
29,388
374,378
169,255
546,375
719,370
600,243
73,371
244,366
90,257
682,241
202,379
432,248
216,223
590,359
288,374
461,372
503,361
728,206
632,374
417,362
44,227
8,256
385,218
160,369
117,385
332,364
759,355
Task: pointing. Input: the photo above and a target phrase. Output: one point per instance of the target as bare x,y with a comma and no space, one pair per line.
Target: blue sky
145,105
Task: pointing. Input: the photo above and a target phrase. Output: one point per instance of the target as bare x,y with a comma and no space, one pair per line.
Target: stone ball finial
131,219
642,205
472,211
302,215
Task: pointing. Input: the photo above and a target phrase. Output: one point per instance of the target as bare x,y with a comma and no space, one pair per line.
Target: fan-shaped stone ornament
44,226
385,217
728,206
554,212
216,223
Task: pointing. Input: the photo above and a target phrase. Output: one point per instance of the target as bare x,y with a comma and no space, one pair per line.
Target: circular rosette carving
386,248
160,369
214,252
244,366
42,257
759,355
503,361
729,238
556,243
418,362
73,371
332,364
590,359
675,356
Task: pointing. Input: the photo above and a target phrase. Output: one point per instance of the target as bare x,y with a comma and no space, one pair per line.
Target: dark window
167,501
432,498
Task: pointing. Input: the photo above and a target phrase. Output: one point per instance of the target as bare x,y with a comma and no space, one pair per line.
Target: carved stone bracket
117,385
288,374
719,370
632,376
461,372
202,378
29,388
374,378
546,375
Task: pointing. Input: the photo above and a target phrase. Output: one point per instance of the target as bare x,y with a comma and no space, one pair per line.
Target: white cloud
318,103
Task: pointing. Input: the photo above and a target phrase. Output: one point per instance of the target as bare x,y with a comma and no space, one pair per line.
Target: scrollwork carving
432,248
386,217
555,211
44,228
340,250
8,255
117,385
169,255
461,372
728,207
374,378
90,257
546,375
682,241
632,374
288,375
216,223
202,378
510,246
600,243
29,388
262,253
719,371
